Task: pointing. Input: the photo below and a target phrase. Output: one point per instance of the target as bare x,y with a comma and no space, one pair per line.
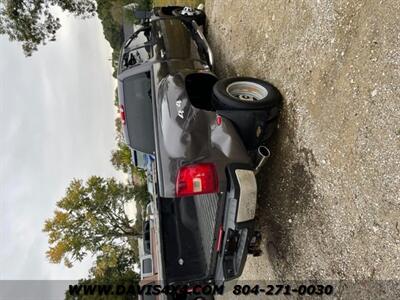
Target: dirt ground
329,201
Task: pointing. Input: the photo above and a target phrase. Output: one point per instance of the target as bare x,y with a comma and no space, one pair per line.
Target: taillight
219,120
196,179
122,113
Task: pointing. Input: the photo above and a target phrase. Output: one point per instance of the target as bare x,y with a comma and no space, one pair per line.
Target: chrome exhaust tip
264,154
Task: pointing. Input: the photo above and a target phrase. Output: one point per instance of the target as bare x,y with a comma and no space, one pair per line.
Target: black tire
258,95
199,16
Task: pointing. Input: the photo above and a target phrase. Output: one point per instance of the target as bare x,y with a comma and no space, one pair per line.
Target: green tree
116,268
113,15
32,21
114,261
89,218
121,158
116,99
118,128
142,196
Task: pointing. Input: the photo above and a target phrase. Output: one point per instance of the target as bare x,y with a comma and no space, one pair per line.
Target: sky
56,124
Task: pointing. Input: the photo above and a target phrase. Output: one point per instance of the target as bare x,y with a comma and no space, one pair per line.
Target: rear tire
245,93
188,16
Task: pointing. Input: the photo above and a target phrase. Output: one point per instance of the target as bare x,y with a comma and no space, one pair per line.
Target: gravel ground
329,205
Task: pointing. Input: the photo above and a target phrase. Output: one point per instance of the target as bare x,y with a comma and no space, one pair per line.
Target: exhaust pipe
264,154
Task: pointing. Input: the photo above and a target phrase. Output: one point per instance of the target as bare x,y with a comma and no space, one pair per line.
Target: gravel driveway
329,205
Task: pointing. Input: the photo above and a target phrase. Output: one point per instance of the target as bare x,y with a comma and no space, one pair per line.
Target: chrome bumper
247,196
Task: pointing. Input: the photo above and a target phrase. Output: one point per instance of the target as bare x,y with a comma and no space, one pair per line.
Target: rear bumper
238,224
247,185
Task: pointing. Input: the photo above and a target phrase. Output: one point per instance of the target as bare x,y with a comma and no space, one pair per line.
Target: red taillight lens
122,113
197,179
219,120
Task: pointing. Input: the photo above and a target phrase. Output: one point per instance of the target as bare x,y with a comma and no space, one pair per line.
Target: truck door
139,47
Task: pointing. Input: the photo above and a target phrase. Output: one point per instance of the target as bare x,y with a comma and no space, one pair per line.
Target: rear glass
146,238
139,112
140,160
146,266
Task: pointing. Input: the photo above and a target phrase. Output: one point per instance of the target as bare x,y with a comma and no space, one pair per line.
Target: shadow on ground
286,188
286,191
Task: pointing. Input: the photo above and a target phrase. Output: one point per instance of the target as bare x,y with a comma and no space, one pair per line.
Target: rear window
147,266
139,159
139,112
146,237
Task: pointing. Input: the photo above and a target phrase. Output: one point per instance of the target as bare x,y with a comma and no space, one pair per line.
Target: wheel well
199,88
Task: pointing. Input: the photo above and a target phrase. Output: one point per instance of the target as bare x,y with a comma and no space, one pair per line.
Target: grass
192,3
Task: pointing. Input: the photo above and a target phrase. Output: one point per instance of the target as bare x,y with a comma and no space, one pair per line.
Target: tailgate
189,229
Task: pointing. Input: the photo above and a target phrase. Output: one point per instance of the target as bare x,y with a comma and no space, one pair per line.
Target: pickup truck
208,138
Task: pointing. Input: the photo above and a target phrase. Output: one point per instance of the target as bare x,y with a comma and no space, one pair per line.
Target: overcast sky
56,123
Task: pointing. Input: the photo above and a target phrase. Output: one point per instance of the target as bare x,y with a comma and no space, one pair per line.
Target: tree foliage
118,128
114,261
88,219
116,98
113,22
142,196
121,158
32,21
115,268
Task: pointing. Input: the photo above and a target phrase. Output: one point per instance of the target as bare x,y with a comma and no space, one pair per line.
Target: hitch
254,247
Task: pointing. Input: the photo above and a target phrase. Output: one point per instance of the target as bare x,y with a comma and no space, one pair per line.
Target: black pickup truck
208,137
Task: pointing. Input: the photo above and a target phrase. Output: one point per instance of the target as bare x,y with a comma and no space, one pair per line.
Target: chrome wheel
246,91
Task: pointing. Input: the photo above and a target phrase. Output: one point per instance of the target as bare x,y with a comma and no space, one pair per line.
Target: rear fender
187,135
253,126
